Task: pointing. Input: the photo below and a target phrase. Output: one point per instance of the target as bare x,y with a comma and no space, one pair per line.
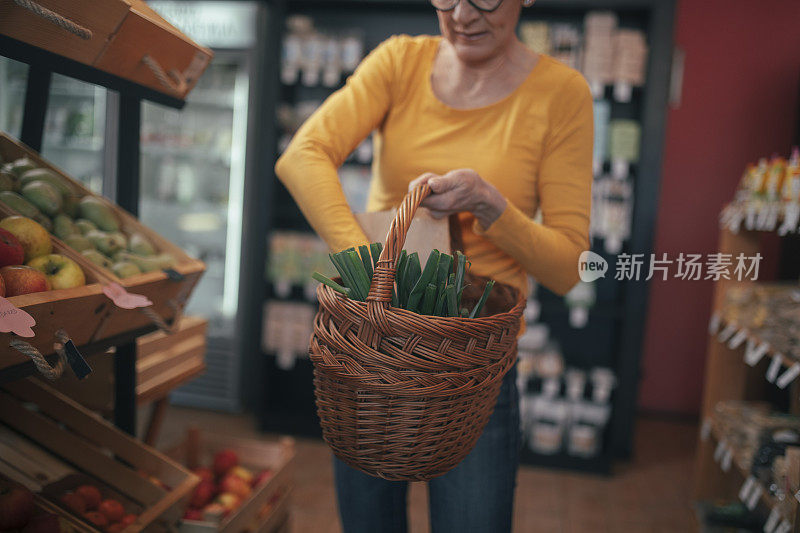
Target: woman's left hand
462,190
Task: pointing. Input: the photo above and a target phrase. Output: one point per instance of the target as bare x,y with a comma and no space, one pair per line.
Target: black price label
76,361
174,275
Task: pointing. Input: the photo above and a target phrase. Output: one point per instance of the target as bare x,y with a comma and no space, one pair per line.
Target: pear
19,204
70,205
140,245
99,212
106,243
43,195
63,226
147,264
20,166
125,269
97,258
47,175
78,242
85,226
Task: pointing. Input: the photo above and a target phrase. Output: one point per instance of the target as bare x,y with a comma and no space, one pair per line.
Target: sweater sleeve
308,167
549,251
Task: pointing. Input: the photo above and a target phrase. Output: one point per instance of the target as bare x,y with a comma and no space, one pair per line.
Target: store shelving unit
729,376
616,324
42,66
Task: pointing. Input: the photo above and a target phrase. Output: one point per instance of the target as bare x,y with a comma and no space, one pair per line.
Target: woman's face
476,35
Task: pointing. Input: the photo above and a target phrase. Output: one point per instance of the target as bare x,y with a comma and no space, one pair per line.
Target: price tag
753,353
125,299
15,320
173,274
726,333
788,376
705,430
737,339
772,520
727,459
76,361
774,367
713,324
747,488
753,497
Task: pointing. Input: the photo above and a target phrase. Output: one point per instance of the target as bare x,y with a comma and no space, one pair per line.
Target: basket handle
380,290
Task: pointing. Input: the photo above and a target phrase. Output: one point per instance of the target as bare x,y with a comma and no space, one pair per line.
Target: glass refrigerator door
13,77
192,181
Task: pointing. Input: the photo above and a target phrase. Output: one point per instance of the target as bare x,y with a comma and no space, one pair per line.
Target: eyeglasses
487,6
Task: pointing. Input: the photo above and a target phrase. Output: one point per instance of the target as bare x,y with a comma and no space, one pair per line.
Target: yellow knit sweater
534,146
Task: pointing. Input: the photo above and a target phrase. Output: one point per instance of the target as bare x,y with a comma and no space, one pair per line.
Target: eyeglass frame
472,3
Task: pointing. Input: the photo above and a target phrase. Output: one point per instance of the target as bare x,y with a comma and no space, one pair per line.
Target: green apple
62,272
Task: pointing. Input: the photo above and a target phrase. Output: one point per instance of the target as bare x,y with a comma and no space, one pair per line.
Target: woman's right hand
462,190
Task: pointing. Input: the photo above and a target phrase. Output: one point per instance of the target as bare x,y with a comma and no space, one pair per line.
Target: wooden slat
158,363
189,326
187,372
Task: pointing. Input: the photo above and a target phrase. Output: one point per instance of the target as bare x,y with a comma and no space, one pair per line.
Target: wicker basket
400,395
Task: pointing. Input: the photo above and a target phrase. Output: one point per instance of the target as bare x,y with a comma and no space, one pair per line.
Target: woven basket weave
400,395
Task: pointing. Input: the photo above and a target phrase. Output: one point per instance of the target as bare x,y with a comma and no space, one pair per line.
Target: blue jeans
476,496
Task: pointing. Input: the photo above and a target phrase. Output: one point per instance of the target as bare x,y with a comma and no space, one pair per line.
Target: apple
202,494
75,502
11,250
91,495
205,473
16,508
112,510
43,523
61,271
193,514
228,500
32,236
235,485
242,473
21,279
262,477
129,519
224,460
96,518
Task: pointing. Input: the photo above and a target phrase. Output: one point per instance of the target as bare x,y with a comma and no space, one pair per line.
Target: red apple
11,251
43,523
97,519
22,279
129,519
224,460
75,502
202,494
16,508
205,473
193,514
262,477
112,510
31,235
235,485
91,495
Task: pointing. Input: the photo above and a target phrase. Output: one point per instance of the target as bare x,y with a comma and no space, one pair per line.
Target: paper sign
753,353
76,361
705,429
15,320
772,521
737,339
788,376
774,367
726,460
123,298
713,324
755,494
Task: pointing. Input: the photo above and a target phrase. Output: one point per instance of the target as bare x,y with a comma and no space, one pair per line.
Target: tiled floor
650,494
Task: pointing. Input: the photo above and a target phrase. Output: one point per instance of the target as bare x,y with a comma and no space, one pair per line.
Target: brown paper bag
425,234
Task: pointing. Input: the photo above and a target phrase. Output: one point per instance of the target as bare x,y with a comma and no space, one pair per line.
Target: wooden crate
88,443
168,296
198,448
122,37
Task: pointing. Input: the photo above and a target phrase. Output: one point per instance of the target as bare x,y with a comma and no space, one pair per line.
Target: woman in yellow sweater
498,132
